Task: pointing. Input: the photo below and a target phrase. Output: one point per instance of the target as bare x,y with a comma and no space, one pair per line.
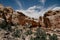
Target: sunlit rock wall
52,19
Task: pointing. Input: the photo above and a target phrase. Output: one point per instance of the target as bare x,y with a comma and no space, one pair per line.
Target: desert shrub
53,37
3,25
28,32
17,33
40,34
31,38
9,28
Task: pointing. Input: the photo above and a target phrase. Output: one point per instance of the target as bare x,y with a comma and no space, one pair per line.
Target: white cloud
44,10
31,12
34,7
56,8
42,1
19,3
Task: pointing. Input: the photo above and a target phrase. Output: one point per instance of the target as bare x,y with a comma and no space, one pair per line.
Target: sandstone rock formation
13,17
52,18
15,20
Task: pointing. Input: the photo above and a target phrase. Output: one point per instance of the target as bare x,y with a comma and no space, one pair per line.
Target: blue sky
24,4
32,8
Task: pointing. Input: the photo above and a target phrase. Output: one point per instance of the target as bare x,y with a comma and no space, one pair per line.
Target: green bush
40,34
17,33
53,37
31,38
28,32
3,25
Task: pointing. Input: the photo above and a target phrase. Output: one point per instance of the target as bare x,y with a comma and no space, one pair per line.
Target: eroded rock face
11,16
24,20
52,18
1,7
